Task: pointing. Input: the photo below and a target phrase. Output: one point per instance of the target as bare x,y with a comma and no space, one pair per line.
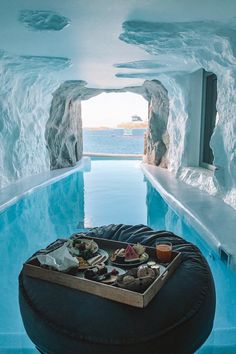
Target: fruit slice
130,254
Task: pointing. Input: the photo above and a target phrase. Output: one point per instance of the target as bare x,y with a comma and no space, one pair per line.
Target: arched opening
63,132
114,123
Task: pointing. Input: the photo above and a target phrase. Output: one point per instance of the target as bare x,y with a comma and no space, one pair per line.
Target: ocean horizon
113,140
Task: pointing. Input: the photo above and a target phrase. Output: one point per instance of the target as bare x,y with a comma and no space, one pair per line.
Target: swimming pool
114,191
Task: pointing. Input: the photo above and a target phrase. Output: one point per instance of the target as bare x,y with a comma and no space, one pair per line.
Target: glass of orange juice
164,251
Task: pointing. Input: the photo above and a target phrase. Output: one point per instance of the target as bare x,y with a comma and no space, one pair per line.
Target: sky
110,109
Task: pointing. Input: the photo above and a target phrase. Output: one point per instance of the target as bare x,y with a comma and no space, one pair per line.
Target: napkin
60,259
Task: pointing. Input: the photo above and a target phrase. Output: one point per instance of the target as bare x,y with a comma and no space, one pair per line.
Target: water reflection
29,225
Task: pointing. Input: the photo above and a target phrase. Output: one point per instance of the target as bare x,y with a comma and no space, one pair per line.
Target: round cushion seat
61,320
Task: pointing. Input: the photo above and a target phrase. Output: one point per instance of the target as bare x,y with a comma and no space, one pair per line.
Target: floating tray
132,298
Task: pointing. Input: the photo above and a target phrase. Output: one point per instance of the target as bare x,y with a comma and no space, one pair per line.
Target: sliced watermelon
130,254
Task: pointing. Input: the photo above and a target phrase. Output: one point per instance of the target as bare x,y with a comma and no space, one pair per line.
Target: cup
164,251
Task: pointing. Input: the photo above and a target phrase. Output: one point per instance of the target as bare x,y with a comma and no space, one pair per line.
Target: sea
113,141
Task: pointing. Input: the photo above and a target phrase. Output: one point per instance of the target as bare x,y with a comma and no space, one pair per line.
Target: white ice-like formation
182,48
178,49
37,20
63,131
27,84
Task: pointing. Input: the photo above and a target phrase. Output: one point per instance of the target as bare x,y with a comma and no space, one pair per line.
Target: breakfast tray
33,269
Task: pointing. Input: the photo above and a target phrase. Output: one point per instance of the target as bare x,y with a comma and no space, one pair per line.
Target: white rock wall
27,84
64,132
180,49
221,182
157,137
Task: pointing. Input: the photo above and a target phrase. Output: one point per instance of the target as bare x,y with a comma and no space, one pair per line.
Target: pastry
127,279
145,271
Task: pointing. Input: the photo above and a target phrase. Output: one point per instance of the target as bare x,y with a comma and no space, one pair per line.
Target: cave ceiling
114,44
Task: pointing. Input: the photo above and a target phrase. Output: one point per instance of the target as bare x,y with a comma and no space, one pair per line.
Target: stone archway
64,127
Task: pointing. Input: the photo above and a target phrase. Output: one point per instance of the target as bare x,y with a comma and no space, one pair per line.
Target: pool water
223,337
114,191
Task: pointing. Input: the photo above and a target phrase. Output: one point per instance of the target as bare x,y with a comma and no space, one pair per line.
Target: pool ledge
209,215
16,191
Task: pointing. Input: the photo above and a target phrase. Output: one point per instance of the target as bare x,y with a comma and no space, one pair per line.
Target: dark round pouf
178,320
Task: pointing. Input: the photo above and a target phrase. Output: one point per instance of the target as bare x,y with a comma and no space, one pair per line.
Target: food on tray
94,273
157,269
82,247
151,263
130,254
101,274
101,268
127,279
82,262
97,259
145,271
118,255
139,249
137,279
90,274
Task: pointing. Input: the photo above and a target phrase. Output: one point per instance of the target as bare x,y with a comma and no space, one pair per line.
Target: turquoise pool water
112,192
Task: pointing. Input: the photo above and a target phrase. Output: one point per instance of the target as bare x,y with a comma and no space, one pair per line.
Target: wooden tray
33,269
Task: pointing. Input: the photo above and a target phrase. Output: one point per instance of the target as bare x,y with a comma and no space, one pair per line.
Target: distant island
97,128
124,125
135,123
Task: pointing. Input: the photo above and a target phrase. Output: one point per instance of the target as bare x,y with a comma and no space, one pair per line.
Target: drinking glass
164,251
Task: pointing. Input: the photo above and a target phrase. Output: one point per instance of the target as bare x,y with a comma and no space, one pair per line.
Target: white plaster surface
139,40
214,220
91,40
26,90
182,48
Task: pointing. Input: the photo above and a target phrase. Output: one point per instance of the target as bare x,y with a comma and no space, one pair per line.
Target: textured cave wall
183,143
27,83
182,48
157,137
63,132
